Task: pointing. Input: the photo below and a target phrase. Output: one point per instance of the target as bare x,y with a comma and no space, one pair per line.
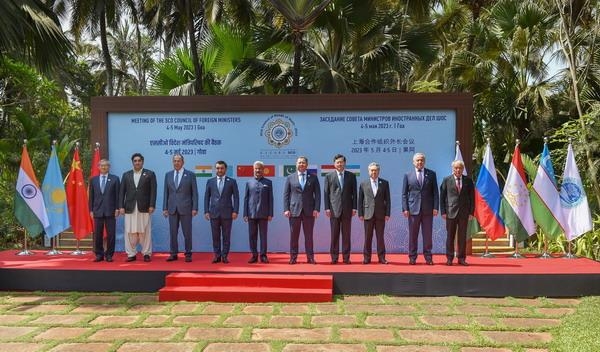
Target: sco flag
487,198
29,201
576,210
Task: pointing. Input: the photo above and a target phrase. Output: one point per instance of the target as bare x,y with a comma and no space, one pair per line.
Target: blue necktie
103,184
220,185
177,179
302,180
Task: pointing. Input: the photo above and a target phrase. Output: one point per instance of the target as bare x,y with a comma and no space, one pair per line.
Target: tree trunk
193,47
106,54
297,62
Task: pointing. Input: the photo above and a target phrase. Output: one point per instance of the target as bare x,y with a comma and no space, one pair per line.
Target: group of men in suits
135,198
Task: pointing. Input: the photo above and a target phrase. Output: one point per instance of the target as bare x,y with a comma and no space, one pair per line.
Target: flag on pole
458,156
545,199
576,210
29,206
487,198
55,197
94,169
473,226
515,208
77,200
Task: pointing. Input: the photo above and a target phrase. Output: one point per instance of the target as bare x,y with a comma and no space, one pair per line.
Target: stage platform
484,277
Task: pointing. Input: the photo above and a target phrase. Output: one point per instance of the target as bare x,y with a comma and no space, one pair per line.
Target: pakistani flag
545,199
30,210
576,210
515,208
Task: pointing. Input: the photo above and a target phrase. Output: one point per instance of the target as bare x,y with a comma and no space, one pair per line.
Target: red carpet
250,288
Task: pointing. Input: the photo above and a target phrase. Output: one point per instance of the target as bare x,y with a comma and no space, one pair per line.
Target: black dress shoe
334,261
225,260
264,259
347,261
147,258
293,261
429,262
463,263
216,259
253,259
188,258
109,258
172,258
449,262
383,261
366,261
412,262
131,259
311,261
98,259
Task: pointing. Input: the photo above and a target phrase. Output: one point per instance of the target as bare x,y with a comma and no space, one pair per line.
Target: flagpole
487,254
78,251
569,254
54,251
545,254
516,254
25,250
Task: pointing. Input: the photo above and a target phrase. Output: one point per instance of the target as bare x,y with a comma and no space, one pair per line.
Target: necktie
302,180
458,185
374,186
220,185
341,179
103,184
177,179
420,177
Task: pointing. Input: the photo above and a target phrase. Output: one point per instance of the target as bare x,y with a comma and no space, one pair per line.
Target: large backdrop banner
389,137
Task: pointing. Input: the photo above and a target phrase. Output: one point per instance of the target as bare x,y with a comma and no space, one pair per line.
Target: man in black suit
137,200
301,204
258,211
340,207
180,204
221,207
374,208
420,203
103,203
457,205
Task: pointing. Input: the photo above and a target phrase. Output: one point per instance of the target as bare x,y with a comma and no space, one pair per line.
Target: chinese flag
94,170
77,200
245,171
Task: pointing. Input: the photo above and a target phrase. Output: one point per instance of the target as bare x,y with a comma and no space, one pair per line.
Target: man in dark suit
221,207
258,211
457,205
103,203
301,204
180,204
420,203
137,200
374,207
340,207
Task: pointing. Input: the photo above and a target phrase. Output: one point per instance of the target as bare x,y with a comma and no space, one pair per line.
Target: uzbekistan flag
545,199
203,170
29,201
578,218
516,207
487,198
325,169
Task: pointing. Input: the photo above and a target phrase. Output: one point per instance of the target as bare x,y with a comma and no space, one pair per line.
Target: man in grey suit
258,211
137,200
374,207
340,207
104,208
301,204
457,205
420,203
221,207
180,204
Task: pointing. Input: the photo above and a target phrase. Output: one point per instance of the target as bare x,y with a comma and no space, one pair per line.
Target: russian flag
488,198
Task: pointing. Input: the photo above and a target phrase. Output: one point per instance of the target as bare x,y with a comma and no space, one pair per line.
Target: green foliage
579,332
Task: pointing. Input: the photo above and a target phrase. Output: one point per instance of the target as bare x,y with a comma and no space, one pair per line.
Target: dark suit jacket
182,199
453,204
104,204
370,206
258,199
340,200
297,200
416,198
144,194
221,205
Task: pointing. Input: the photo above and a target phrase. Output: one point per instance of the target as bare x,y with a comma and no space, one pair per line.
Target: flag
245,170
515,208
286,170
30,210
355,169
325,169
487,198
545,199
458,156
473,226
312,170
576,210
77,200
55,197
203,170
94,169
269,170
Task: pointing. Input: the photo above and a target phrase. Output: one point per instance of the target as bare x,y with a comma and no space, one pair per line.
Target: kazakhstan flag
55,198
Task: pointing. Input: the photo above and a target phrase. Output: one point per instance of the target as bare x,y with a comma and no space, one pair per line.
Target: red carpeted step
250,288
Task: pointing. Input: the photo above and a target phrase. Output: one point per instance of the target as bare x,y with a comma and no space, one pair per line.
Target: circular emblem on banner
28,191
278,132
571,192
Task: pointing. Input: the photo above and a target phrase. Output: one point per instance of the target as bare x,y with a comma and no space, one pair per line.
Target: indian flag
203,170
29,201
515,208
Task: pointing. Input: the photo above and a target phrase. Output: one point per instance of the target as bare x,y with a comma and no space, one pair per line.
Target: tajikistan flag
516,207
30,210
576,210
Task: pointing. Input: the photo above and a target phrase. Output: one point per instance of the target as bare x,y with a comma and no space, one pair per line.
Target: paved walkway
81,322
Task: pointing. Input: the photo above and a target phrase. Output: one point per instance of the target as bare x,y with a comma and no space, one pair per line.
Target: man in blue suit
221,207
104,208
180,204
301,204
258,211
420,203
